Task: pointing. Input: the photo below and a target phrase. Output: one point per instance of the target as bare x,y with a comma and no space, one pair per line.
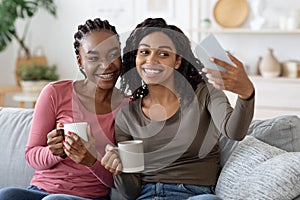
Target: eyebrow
92,52
96,52
160,47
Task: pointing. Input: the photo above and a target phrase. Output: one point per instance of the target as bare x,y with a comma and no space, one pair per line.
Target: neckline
174,116
83,108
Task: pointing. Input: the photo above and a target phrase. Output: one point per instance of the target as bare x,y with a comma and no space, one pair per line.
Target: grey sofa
265,165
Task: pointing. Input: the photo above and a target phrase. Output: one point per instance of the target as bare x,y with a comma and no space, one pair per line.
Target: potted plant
206,23
34,77
11,11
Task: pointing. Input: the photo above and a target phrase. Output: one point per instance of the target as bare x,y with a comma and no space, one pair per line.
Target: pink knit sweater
58,103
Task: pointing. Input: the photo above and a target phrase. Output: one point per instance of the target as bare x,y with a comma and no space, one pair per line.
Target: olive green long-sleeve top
184,148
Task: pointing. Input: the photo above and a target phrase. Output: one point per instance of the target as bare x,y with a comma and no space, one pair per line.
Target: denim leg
12,193
34,193
148,192
162,191
205,197
201,192
70,197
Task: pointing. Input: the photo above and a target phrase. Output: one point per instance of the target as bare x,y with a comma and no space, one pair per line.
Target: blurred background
255,31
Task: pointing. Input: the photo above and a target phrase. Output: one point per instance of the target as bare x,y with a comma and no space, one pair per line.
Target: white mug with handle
80,128
132,155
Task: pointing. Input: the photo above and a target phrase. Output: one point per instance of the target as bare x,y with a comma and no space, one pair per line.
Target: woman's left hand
80,151
234,80
111,160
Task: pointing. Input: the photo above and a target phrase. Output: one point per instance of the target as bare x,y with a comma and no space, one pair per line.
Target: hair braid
91,25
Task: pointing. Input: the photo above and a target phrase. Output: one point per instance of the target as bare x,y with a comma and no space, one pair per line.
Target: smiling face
156,59
99,55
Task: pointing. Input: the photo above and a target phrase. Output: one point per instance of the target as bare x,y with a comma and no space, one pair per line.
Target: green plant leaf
11,10
38,72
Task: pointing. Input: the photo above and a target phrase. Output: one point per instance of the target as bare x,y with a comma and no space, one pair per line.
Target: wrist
247,97
63,156
92,163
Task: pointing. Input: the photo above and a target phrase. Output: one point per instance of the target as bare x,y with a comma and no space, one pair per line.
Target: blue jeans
168,191
34,193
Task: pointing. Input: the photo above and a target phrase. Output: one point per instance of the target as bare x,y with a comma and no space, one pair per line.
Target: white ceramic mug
80,128
132,155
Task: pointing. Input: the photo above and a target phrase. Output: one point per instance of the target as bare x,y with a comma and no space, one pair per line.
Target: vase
33,87
259,20
269,66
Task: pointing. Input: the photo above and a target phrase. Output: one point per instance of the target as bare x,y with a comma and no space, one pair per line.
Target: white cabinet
274,97
245,31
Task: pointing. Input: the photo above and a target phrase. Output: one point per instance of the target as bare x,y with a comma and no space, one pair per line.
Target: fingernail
204,70
211,59
60,125
76,137
70,133
109,148
211,82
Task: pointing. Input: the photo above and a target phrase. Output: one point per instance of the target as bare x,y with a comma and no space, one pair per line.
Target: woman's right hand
234,80
55,141
111,160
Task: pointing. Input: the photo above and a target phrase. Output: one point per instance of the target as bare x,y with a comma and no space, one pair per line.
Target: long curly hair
131,82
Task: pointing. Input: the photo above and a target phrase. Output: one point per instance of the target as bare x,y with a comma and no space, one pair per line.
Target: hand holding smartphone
210,47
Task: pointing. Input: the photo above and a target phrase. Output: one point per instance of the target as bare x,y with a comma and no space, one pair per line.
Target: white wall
55,35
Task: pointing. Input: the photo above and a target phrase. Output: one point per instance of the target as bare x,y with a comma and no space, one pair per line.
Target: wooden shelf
5,90
246,31
279,79
22,98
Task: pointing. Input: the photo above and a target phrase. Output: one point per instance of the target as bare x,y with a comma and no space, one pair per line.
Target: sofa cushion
257,170
14,129
282,132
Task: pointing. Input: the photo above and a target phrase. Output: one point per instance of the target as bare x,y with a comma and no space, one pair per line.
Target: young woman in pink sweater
69,168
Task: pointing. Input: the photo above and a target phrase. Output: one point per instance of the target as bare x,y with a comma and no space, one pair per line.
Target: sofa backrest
282,132
14,129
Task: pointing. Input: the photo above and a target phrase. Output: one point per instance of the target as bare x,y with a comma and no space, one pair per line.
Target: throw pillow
257,170
282,132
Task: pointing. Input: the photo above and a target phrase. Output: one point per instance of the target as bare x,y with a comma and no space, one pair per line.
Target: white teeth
151,71
106,76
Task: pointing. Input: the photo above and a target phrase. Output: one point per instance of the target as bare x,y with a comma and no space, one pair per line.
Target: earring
144,85
81,69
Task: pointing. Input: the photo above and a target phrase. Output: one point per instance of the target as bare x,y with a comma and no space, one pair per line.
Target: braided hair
89,26
189,68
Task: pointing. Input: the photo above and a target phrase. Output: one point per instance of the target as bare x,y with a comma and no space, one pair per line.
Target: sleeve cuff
251,96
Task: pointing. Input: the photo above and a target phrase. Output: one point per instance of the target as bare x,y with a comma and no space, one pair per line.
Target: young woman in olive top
178,113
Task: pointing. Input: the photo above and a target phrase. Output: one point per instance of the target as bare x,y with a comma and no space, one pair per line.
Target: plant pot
33,87
38,60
